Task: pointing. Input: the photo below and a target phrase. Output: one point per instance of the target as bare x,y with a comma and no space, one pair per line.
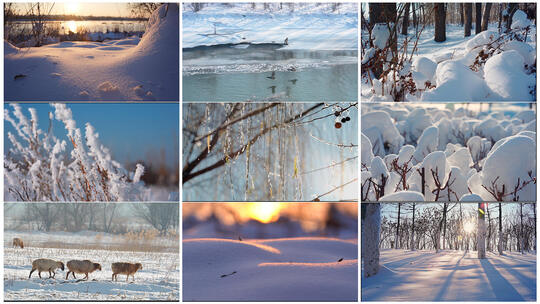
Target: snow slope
158,280
288,269
451,276
128,69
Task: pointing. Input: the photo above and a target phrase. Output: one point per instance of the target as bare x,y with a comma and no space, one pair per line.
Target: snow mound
9,48
456,82
425,66
403,196
320,269
519,20
481,39
382,34
504,74
381,123
511,161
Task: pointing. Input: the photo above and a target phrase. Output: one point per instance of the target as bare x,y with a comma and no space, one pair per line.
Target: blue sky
131,131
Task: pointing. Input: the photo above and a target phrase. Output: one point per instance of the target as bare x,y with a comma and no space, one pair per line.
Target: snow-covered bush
460,154
41,167
490,66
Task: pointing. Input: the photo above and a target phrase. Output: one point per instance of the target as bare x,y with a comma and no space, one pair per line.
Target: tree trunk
414,18
461,17
485,19
445,210
521,237
397,230
468,18
412,230
371,222
488,230
440,22
500,231
405,24
478,18
534,211
481,233
512,7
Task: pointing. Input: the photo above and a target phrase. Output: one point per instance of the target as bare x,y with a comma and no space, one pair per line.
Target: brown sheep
17,242
78,266
125,268
45,265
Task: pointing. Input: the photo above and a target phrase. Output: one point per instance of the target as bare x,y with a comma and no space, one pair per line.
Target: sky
85,9
132,131
311,215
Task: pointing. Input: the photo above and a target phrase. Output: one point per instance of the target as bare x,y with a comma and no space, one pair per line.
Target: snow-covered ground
452,276
482,67
309,26
467,153
288,269
132,69
158,280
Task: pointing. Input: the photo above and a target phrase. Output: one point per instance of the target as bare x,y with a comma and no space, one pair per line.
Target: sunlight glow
264,212
468,227
72,8
72,26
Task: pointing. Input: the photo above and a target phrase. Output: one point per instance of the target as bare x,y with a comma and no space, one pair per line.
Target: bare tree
44,214
145,9
440,22
38,13
468,18
162,216
481,236
478,18
485,18
405,24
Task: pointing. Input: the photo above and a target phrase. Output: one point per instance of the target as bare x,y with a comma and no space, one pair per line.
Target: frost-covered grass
288,269
41,167
432,153
158,280
489,66
131,69
452,276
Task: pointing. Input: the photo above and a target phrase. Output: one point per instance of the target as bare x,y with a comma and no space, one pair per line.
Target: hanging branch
317,199
187,173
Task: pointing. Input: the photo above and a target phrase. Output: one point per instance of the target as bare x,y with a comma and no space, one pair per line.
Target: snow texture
287,269
159,279
451,276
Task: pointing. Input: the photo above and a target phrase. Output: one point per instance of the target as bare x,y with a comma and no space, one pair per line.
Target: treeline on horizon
75,18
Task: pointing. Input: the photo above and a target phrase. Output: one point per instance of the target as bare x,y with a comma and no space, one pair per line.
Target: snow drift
112,70
293,269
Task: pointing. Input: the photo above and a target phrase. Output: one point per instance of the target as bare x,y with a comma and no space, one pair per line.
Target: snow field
451,276
158,280
288,269
309,26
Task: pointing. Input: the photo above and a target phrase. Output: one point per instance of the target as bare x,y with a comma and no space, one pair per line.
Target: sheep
125,268
18,242
46,265
78,266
